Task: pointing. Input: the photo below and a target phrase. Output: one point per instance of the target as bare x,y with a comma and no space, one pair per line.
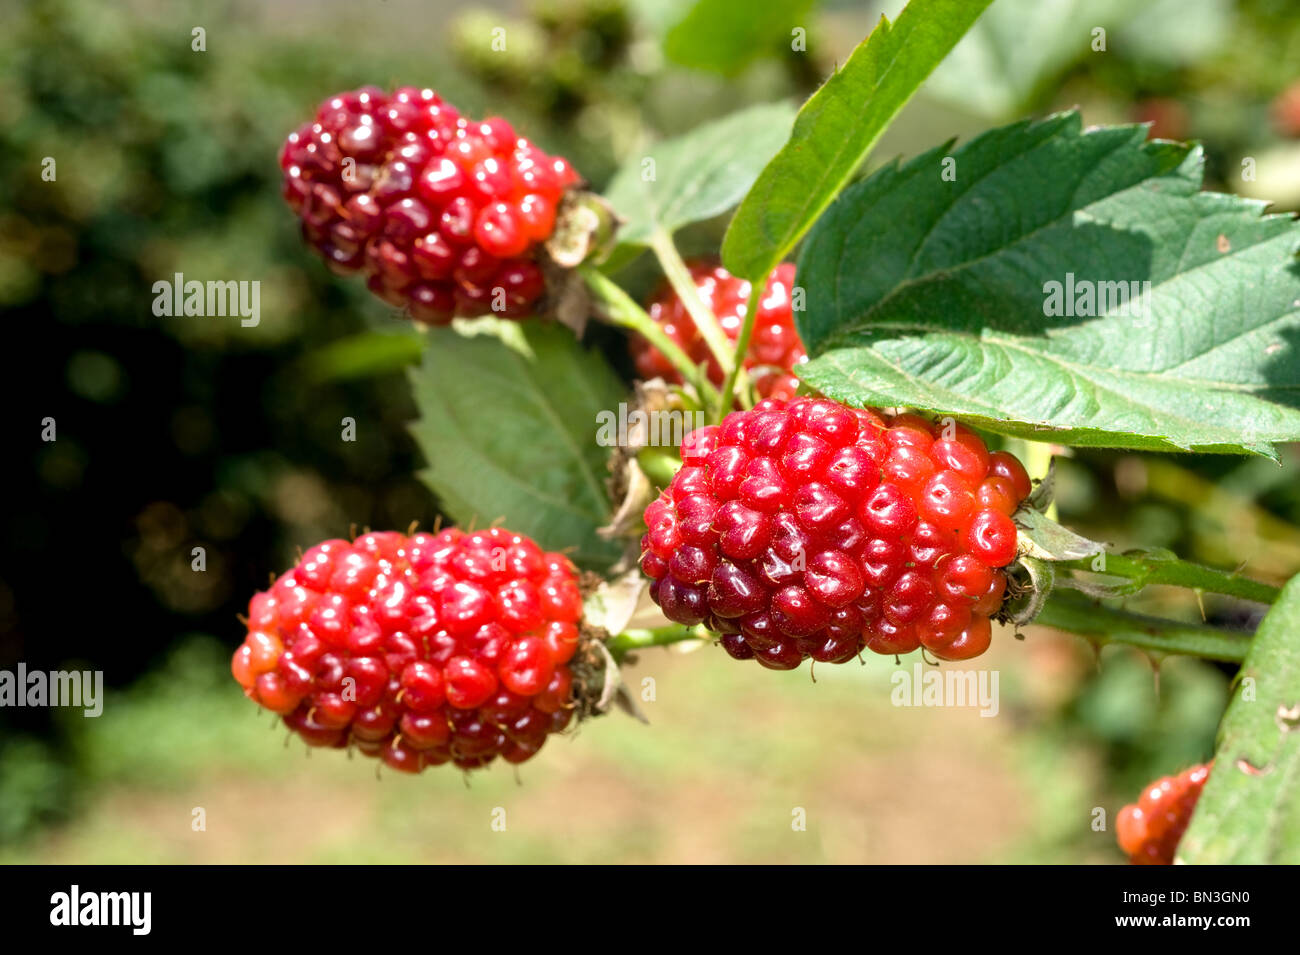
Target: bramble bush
1041,283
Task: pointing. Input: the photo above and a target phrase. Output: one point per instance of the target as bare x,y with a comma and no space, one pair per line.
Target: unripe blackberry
1150,829
774,347
808,529
419,650
443,215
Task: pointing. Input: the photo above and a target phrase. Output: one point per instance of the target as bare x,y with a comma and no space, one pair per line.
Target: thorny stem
1063,611
619,308
679,277
742,348
1104,625
1178,573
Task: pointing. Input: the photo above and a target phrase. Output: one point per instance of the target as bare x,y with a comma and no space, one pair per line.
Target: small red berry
807,529
402,189
991,537
1150,829
774,348
418,650
1004,464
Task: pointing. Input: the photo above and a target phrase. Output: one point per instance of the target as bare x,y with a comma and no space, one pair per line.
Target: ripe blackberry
1150,829
808,529
774,346
419,650
442,214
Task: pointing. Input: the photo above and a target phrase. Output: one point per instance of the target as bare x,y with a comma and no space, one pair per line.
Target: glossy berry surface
442,214
419,650
774,347
1150,829
807,529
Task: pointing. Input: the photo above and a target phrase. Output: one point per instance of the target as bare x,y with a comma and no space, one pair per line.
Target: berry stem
1103,625
742,348
1179,573
619,309
631,640
680,278
659,465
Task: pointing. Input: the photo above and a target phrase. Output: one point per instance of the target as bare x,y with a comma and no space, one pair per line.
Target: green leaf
837,127
696,176
933,292
508,421
1248,813
725,37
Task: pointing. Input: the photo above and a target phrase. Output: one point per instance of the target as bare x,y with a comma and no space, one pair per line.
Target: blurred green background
175,433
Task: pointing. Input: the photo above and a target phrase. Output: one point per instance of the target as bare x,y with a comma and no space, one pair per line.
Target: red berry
1150,829
808,529
402,189
997,494
991,537
1004,464
774,347
419,650
527,669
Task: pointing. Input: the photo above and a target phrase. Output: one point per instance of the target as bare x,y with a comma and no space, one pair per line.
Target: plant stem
1104,625
742,348
624,643
659,465
1179,573
679,277
619,309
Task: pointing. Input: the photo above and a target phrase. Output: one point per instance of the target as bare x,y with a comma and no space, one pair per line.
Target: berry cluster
441,213
774,346
808,529
420,650
1150,829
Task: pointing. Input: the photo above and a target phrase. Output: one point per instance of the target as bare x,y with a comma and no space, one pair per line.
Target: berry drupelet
420,650
442,214
774,347
808,529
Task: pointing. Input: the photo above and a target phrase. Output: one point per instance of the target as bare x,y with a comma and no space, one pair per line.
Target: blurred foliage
175,433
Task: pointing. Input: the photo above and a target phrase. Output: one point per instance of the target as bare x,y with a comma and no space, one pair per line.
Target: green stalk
1179,573
619,309
1104,625
631,640
679,277
742,348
